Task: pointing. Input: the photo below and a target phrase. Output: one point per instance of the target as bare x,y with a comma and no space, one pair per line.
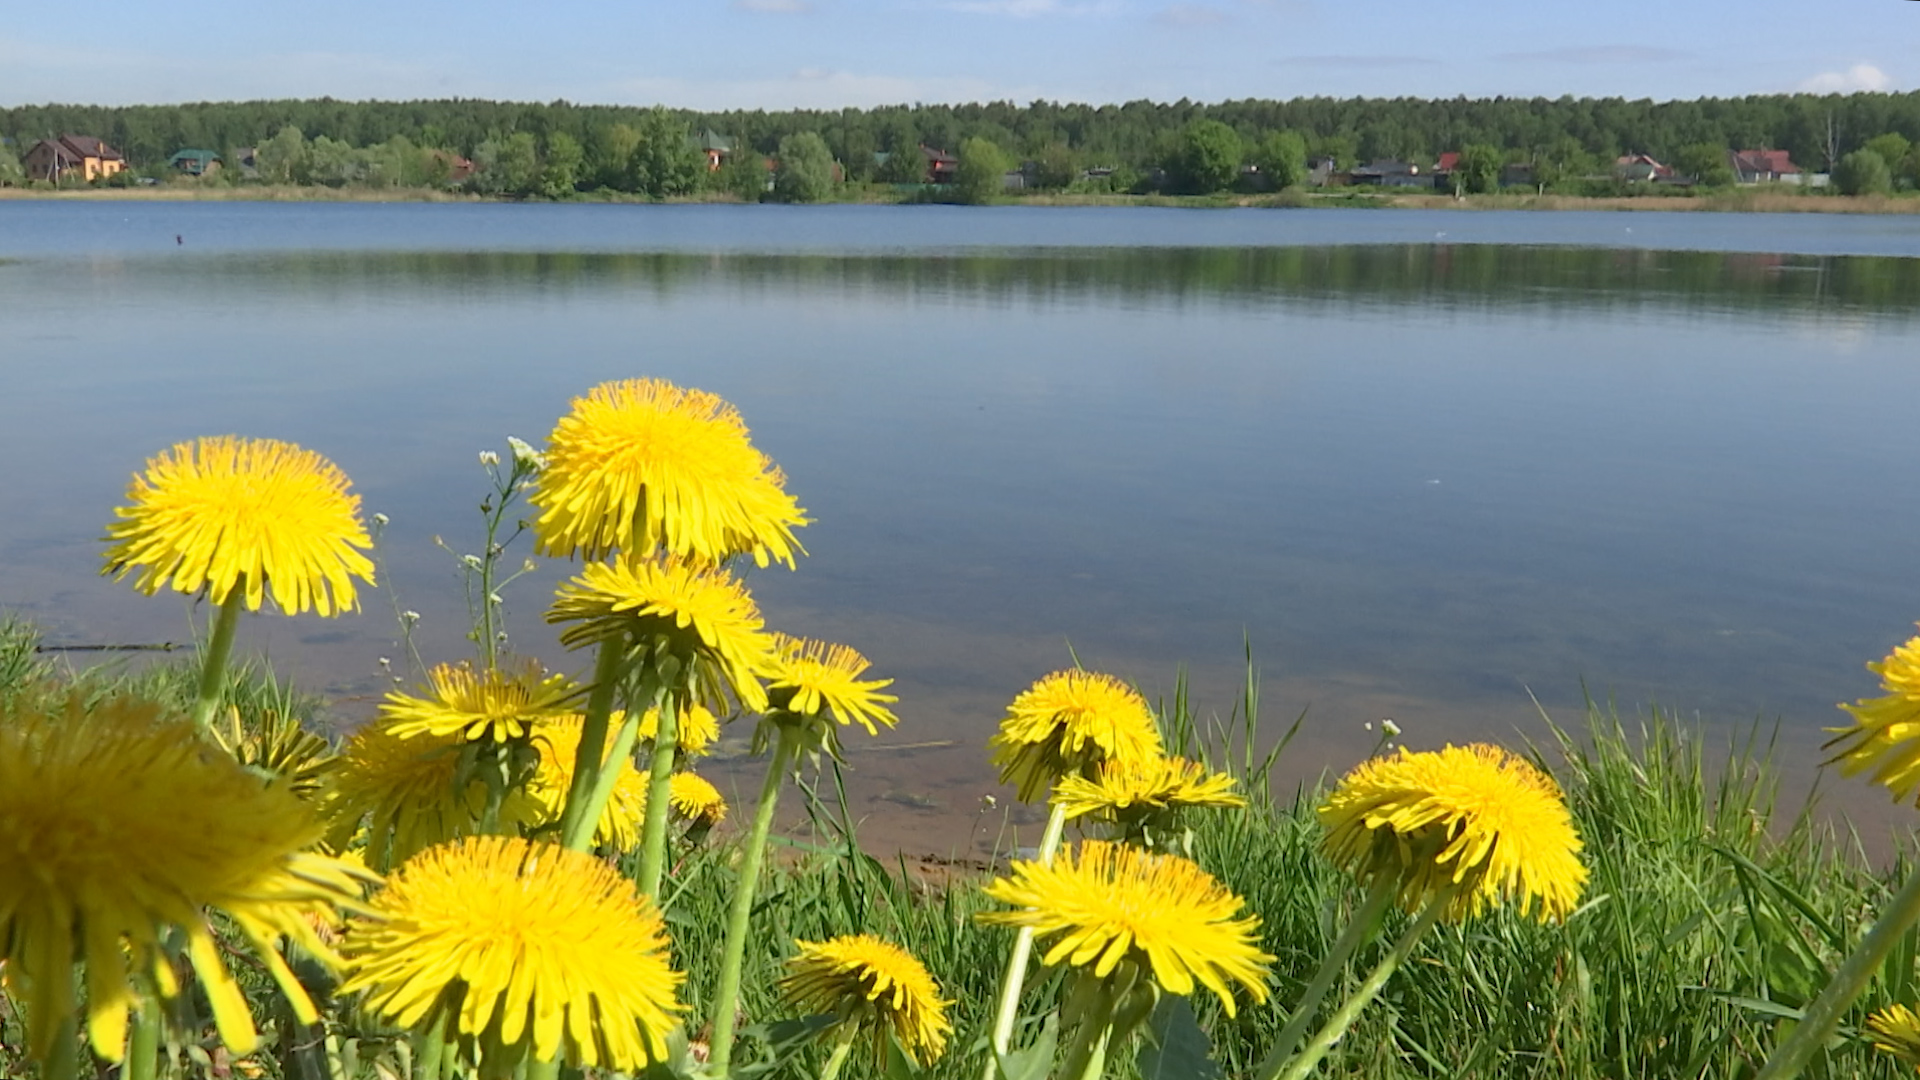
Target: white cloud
774,7
1859,77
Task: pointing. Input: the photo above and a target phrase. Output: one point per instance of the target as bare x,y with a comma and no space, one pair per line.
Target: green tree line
533,148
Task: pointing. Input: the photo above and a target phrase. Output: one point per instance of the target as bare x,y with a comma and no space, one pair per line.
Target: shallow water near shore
1430,466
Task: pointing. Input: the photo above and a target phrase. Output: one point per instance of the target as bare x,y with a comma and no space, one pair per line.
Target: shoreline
1734,201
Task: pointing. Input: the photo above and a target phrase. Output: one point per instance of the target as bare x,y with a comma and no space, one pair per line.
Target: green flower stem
63,1061
1016,977
1089,1011
603,785
143,1042
844,1035
544,1070
666,744
593,735
1823,1016
213,671
1341,1020
430,1049
726,997
1364,924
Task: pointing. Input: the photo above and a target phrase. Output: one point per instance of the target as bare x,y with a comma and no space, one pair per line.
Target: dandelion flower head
396,796
1067,724
696,800
644,467
497,703
810,678
1896,1030
1159,783
694,725
1474,823
705,616
523,951
870,983
1112,902
1885,735
257,515
119,827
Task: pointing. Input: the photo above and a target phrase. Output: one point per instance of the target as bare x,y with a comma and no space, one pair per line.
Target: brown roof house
81,156
1763,167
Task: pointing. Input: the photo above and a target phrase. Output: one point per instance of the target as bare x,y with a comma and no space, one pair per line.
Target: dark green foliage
983,168
560,169
1281,158
805,169
664,161
1704,163
1863,172
508,166
1207,158
1055,168
1478,171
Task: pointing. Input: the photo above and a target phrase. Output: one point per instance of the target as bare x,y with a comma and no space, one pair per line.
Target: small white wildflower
410,616
1392,729
528,567
385,663
495,598
381,520
489,458
526,456
471,560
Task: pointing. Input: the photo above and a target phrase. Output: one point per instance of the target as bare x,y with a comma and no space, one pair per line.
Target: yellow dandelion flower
1160,783
695,799
118,828
644,467
494,704
706,616
1885,735
253,514
1111,902
396,796
875,984
520,951
811,677
696,726
559,743
1475,820
1897,1031
1066,725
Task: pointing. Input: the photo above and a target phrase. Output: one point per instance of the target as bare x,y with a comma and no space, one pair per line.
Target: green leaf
1036,1061
784,1041
1175,1048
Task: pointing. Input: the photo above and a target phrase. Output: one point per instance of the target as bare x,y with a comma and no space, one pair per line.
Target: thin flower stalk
726,996
213,669
844,1036
1343,1018
1821,1018
1364,924
653,831
1016,976
590,754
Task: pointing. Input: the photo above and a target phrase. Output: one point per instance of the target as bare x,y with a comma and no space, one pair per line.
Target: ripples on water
1419,479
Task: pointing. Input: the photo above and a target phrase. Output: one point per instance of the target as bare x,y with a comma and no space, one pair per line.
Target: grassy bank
1712,913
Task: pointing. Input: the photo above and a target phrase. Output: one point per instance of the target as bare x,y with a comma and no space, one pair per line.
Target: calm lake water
1425,465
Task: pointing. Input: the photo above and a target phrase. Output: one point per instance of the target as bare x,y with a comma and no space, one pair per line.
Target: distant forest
597,144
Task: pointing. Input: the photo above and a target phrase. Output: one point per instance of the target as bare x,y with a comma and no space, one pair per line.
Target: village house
195,162
715,147
80,156
1763,167
1642,168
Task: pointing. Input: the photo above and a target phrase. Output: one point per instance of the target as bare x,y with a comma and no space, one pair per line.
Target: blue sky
718,54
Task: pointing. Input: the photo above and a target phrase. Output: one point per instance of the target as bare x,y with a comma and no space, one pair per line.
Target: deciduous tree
1863,172
805,169
1281,157
1207,158
982,172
